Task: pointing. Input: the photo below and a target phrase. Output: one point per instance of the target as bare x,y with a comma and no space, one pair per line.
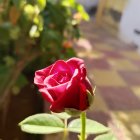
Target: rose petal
50,81
75,77
88,85
59,90
83,71
58,66
71,97
62,77
74,63
75,60
46,95
83,98
40,75
68,100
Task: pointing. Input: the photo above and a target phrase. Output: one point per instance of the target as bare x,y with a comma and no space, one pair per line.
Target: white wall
130,21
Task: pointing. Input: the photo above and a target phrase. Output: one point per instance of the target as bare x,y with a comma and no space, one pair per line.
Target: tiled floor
115,69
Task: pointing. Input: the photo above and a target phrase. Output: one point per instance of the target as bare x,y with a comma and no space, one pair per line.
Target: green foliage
54,123
20,83
42,124
92,127
76,6
62,115
108,136
41,4
5,32
4,76
40,30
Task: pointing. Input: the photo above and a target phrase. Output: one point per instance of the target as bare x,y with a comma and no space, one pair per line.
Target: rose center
61,77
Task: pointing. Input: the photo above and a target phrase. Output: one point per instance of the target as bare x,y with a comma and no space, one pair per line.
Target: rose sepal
73,112
91,96
62,115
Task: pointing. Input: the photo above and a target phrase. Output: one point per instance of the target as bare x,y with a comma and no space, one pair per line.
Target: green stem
65,134
83,129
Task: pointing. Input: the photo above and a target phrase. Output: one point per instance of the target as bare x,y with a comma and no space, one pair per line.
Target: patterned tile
136,90
92,36
131,55
131,77
99,63
107,78
137,63
115,68
85,44
131,120
115,43
122,64
99,103
89,54
120,98
100,116
103,47
119,45
113,54
95,54
82,54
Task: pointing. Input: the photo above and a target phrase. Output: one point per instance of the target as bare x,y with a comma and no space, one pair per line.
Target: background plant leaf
20,83
41,4
5,74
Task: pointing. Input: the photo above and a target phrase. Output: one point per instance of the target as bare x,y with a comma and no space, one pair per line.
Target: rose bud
65,85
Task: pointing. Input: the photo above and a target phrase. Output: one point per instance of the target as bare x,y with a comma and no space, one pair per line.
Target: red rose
65,85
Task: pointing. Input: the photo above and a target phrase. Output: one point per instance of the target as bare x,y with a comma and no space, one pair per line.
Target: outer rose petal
71,99
46,95
59,65
75,63
40,75
50,82
83,98
58,90
53,93
87,83
83,71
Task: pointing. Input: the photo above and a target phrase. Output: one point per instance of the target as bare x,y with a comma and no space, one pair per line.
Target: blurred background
105,33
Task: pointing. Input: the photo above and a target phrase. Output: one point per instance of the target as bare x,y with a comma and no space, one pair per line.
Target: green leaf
14,32
29,10
21,81
68,3
63,115
18,3
9,60
41,4
5,74
92,127
15,90
42,124
108,136
5,32
81,10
